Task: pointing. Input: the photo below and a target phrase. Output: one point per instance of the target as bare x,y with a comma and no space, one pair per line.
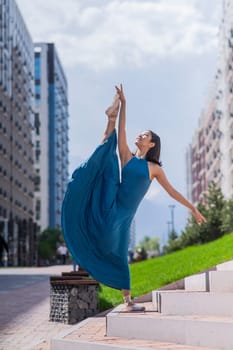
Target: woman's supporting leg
126,296
129,303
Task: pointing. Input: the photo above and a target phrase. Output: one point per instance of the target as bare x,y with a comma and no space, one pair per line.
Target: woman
98,207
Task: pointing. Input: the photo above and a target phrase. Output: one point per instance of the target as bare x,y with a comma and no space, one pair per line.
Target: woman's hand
198,216
120,93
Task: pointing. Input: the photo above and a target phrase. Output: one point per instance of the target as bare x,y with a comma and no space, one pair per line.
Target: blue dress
97,212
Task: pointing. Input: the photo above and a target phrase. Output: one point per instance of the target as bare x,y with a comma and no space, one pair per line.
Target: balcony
230,45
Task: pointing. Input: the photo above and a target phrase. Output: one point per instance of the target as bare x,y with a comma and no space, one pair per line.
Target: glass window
37,89
37,124
37,66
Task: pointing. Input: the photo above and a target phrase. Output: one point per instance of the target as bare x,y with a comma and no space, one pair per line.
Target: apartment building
16,144
51,136
210,156
225,96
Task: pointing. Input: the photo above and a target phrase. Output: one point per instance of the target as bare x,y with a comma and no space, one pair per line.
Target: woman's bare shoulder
155,170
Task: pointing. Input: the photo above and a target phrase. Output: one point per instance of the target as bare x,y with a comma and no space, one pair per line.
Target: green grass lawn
154,273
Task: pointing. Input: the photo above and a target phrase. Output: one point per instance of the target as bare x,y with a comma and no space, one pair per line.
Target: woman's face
144,140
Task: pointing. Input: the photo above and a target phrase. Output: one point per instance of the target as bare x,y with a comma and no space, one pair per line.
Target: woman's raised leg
112,113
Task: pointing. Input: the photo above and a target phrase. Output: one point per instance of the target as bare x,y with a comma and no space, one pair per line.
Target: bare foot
112,110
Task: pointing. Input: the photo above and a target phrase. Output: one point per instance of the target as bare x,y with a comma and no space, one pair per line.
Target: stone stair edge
174,287
66,332
197,332
118,311
179,284
178,291
62,341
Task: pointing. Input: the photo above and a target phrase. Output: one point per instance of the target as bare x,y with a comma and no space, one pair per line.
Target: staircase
196,318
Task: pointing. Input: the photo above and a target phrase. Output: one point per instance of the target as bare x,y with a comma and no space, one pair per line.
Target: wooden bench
76,273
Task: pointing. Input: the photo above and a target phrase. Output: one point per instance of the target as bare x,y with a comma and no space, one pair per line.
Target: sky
164,52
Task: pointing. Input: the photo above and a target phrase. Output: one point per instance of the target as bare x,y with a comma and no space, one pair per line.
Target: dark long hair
153,155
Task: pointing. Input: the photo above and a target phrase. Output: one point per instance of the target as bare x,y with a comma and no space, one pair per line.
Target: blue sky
164,52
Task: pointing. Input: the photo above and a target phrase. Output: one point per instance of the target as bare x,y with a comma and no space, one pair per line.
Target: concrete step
197,283
189,330
214,281
194,303
226,266
221,281
91,335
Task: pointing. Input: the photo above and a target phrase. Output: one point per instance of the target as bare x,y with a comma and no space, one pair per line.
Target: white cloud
114,33
153,192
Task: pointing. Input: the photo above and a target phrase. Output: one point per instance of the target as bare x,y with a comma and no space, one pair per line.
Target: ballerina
99,205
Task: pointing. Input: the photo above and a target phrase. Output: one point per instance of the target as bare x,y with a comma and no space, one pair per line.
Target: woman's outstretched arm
124,151
159,174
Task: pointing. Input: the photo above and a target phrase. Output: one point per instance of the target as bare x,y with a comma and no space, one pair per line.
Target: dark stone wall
73,303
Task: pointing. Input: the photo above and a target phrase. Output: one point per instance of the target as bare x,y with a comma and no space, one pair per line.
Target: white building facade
51,136
225,96
211,155
16,136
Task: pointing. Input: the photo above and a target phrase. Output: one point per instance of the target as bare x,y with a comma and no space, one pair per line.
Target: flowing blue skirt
96,229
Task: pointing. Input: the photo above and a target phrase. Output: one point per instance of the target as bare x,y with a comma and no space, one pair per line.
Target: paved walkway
24,315
24,308
94,331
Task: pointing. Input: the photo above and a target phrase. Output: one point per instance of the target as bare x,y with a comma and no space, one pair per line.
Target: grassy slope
154,273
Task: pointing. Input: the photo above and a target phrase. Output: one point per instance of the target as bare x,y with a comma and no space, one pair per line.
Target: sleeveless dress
97,212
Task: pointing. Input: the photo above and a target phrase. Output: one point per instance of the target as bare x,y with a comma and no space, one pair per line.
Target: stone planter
72,300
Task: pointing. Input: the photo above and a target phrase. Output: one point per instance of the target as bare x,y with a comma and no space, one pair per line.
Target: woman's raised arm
124,151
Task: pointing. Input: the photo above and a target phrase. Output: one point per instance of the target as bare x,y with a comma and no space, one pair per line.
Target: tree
150,244
215,203
173,244
212,210
172,235
194,233
227,216
148,247
48,241
141,254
